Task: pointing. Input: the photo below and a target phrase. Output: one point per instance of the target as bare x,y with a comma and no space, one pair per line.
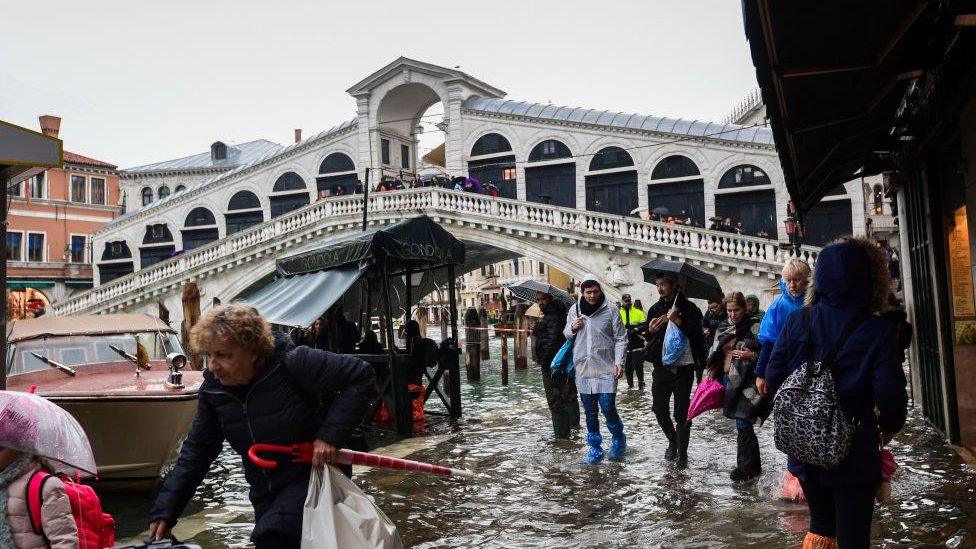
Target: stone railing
499,213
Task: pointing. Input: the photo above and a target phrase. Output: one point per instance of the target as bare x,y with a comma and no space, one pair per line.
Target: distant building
51,217
485,288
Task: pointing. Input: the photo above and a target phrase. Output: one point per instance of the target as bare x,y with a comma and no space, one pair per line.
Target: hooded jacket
866,373
600,344
772,323
57,522
270,410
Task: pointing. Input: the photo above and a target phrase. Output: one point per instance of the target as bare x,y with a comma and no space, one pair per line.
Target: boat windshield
82,349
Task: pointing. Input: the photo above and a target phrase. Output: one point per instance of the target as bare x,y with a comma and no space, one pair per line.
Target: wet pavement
532,491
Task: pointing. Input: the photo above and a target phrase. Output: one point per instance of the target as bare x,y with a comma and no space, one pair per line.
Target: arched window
157,245
200,228
118,249
616,192
490,143
551,183
147,196
218,151
292,194
289,181
163,192
878,196
243,211
682,196
743,176
337,176
200,217
337,162
180,188
675,166
609,158
754,209
549,149
243,200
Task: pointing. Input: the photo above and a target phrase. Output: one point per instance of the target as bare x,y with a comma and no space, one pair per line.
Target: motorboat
121,376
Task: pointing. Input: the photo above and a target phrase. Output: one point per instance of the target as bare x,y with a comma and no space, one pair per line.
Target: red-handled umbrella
708,396
302,453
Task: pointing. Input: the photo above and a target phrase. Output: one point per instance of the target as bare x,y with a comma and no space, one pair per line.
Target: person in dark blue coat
850,281
260,388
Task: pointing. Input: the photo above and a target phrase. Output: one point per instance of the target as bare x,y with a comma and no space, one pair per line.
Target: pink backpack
96,529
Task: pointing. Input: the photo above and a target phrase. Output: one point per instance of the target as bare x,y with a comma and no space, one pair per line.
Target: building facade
51,218
586,159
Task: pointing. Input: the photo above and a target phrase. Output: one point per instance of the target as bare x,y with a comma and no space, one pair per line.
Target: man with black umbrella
560,390
676,375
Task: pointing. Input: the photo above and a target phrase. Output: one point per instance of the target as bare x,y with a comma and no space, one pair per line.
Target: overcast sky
140,82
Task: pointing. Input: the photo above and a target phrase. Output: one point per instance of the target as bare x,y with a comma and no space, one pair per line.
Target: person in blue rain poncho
598,341
793,288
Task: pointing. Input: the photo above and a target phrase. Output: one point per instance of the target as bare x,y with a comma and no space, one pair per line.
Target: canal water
532,491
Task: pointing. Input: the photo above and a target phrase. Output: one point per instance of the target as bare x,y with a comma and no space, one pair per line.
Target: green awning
18,284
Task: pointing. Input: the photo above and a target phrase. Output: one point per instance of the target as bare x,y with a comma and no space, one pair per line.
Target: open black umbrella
661,210
527,290
695,283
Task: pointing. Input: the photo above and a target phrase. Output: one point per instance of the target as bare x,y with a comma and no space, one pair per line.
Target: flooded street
533,492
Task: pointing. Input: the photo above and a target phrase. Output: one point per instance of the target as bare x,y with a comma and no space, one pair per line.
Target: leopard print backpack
809,425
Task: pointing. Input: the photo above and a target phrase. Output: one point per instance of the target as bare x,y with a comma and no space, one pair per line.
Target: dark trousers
276,541
635,364
842,513
563,404
664,384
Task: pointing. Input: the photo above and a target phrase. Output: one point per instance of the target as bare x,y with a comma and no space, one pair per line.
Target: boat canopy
33,328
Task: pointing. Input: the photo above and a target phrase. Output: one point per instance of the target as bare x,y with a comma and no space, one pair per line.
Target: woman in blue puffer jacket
793,288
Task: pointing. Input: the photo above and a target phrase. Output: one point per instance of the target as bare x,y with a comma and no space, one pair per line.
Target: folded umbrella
527,290
695,283
302,453
34,425
708,396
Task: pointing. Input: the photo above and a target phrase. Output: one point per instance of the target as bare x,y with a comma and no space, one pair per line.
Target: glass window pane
14,241
405,156
15,189
78,248
78,188
163,192
35,247
385,148
147,196
37,186
97,190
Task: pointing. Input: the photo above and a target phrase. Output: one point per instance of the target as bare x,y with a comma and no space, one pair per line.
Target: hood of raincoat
584,306
843,277
779,310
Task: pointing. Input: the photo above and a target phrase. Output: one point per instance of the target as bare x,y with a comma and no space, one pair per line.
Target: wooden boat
121,377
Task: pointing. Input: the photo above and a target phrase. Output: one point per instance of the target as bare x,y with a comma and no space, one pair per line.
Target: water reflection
532,491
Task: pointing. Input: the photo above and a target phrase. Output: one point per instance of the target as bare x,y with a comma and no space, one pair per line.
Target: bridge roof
237,155
678,126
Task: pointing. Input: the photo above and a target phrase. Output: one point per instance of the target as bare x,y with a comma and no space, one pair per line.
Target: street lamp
794,229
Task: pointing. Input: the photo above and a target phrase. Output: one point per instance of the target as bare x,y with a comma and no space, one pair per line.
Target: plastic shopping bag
675,343
338,515
791,489
563,361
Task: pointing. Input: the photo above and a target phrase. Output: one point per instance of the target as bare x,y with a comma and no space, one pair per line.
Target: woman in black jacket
260,388
732,360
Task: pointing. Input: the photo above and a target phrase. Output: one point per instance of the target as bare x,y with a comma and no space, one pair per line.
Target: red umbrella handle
302,453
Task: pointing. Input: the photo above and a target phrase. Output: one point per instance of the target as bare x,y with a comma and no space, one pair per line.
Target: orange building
50,220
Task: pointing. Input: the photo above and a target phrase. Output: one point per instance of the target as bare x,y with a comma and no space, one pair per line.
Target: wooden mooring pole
485,353
504,335
472,344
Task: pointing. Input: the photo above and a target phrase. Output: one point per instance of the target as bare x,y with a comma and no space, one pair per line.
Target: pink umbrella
34,425
708,396
302,453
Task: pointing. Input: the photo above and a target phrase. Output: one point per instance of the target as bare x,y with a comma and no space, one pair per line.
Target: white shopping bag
338,515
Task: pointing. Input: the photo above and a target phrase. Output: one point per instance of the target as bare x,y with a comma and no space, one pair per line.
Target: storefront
876,87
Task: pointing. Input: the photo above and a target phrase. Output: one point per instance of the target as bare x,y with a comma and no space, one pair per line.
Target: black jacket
270,410
548,333
691,326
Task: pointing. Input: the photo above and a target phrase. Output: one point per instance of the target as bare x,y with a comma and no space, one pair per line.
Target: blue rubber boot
595,453
618,446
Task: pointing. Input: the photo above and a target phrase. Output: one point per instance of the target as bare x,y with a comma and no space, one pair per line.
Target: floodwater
532,491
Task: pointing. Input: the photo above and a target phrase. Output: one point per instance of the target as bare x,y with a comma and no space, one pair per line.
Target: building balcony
49,269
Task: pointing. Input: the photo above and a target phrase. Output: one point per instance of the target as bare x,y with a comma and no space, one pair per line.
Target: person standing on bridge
676,375
634,321
599,354
560,388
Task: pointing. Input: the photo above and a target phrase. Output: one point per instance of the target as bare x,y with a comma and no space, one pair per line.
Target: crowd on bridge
842,318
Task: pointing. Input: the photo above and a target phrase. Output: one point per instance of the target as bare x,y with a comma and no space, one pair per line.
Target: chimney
298,135
50,124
